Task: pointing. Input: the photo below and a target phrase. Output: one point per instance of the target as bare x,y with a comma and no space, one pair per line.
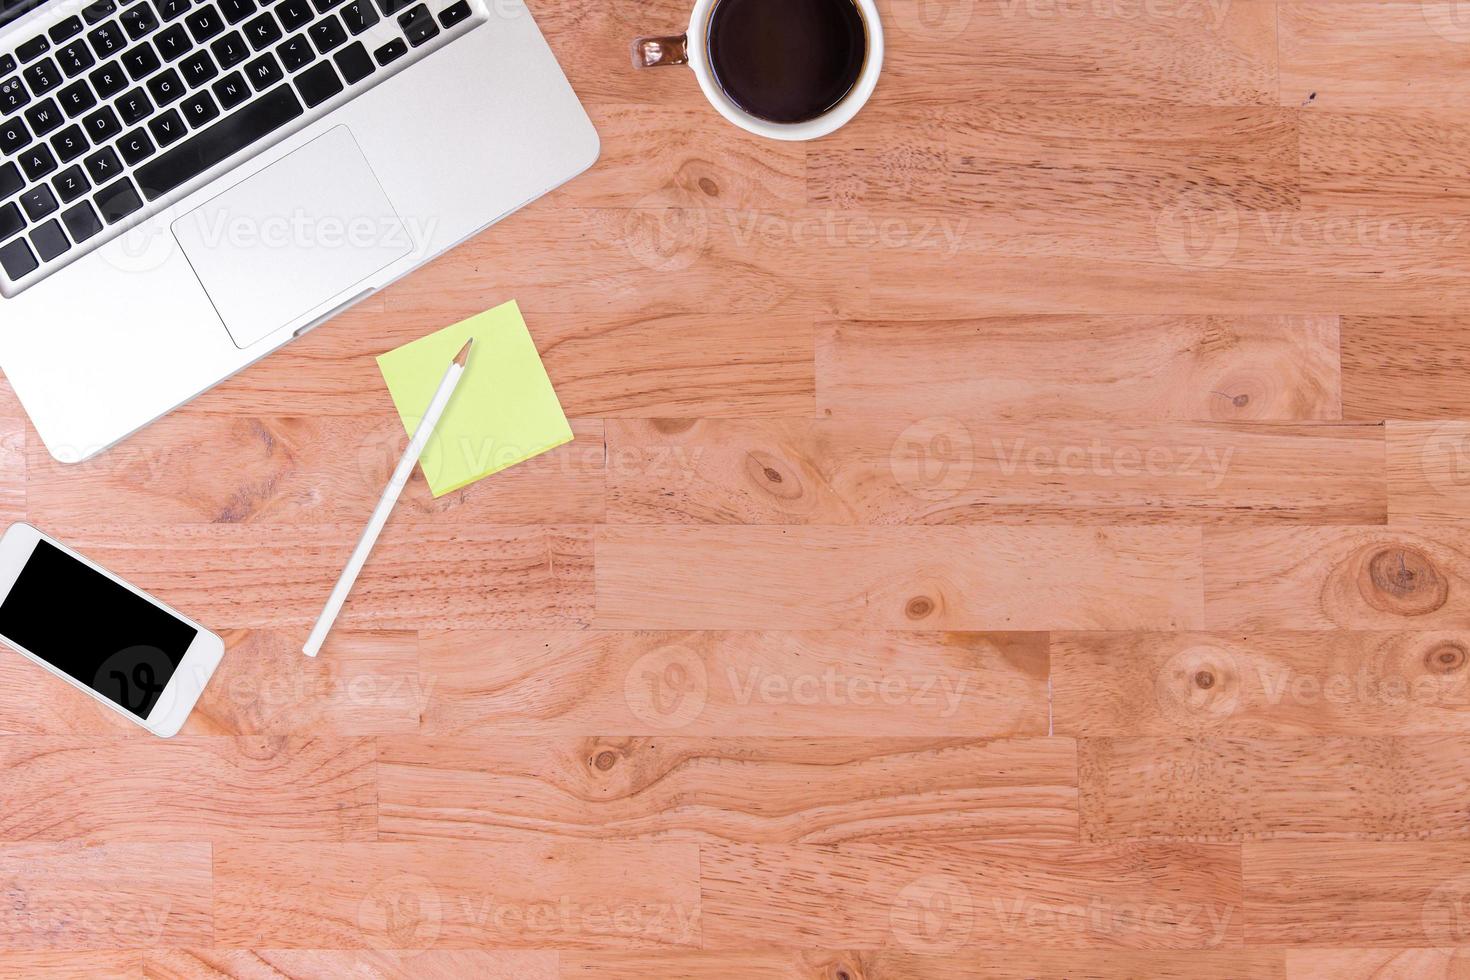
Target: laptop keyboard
108,110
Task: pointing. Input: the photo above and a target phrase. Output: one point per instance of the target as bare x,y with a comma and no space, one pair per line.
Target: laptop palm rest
292,237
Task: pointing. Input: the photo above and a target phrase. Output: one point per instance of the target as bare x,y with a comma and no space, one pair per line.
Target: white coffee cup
692,48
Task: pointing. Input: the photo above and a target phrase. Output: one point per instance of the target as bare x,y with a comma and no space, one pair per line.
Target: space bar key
219,142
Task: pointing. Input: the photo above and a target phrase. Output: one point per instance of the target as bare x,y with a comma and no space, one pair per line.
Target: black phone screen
90,627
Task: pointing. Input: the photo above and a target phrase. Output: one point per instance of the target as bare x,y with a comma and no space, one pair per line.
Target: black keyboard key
75,58
318,84
44,117
219,142
135,147
231,90
11,221
328,35
69,143
117,201
359,15
37,161
71,184
134,107
295,53
354,63
141,62
391,51
17,261
263,31
418,25
13,95
294,14
236,10
263,72
7,64
103,165
139,21
169,9
43,76
173,42
81,221
453,14
230,50
76,99
205,23
33,49
167,128
108,80
107,40
102,9
322,6
38,202
13,135
166,87
198,69
10,181
391,7
70,27
199,109
102,125
49,240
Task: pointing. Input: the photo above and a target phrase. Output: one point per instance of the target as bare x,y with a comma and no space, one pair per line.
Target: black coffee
787,61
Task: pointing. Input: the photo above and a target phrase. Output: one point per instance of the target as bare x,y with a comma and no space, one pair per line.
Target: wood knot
1241,401
605,760
1204,680
673,426
772,475
1404,581
918,607
709,187
1445,658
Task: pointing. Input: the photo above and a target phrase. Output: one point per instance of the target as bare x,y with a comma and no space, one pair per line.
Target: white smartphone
101,635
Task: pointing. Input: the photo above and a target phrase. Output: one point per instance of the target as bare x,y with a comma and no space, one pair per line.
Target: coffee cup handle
651,52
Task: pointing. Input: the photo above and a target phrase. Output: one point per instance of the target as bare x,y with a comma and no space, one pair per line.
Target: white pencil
410,459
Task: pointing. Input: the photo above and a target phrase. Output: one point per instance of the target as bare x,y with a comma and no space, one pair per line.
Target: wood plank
1129,368
1375,964
948,470
419,576
1401,577
381,964
1428,471
319,469
1009,964
1243,789
1004,157
601,364
1264,685
1352,894
1370,54
931,898
821,791
111,896
1405,367
1356,161
449,895
897,578
192,788
765,683
85,965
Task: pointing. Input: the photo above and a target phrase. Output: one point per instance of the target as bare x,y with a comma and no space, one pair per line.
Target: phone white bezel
188,680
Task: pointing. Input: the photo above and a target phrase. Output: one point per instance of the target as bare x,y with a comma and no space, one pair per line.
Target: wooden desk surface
1021,534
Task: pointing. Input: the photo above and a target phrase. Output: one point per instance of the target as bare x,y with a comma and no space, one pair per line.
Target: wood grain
1404,367
1428,470
851,789
948,470
897,578
715,683
1133,368
1380,964
1261,685
388,964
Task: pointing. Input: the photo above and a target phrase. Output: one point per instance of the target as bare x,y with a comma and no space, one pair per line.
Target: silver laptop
186,185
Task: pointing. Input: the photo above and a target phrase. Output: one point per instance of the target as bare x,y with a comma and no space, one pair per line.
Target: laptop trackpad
294,236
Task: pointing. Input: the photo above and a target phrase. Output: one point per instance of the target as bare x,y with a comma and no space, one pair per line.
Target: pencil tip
464,353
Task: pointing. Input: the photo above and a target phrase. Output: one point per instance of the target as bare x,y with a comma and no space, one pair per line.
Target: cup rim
829,122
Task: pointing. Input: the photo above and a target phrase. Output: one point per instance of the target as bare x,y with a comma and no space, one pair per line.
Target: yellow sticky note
503,412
